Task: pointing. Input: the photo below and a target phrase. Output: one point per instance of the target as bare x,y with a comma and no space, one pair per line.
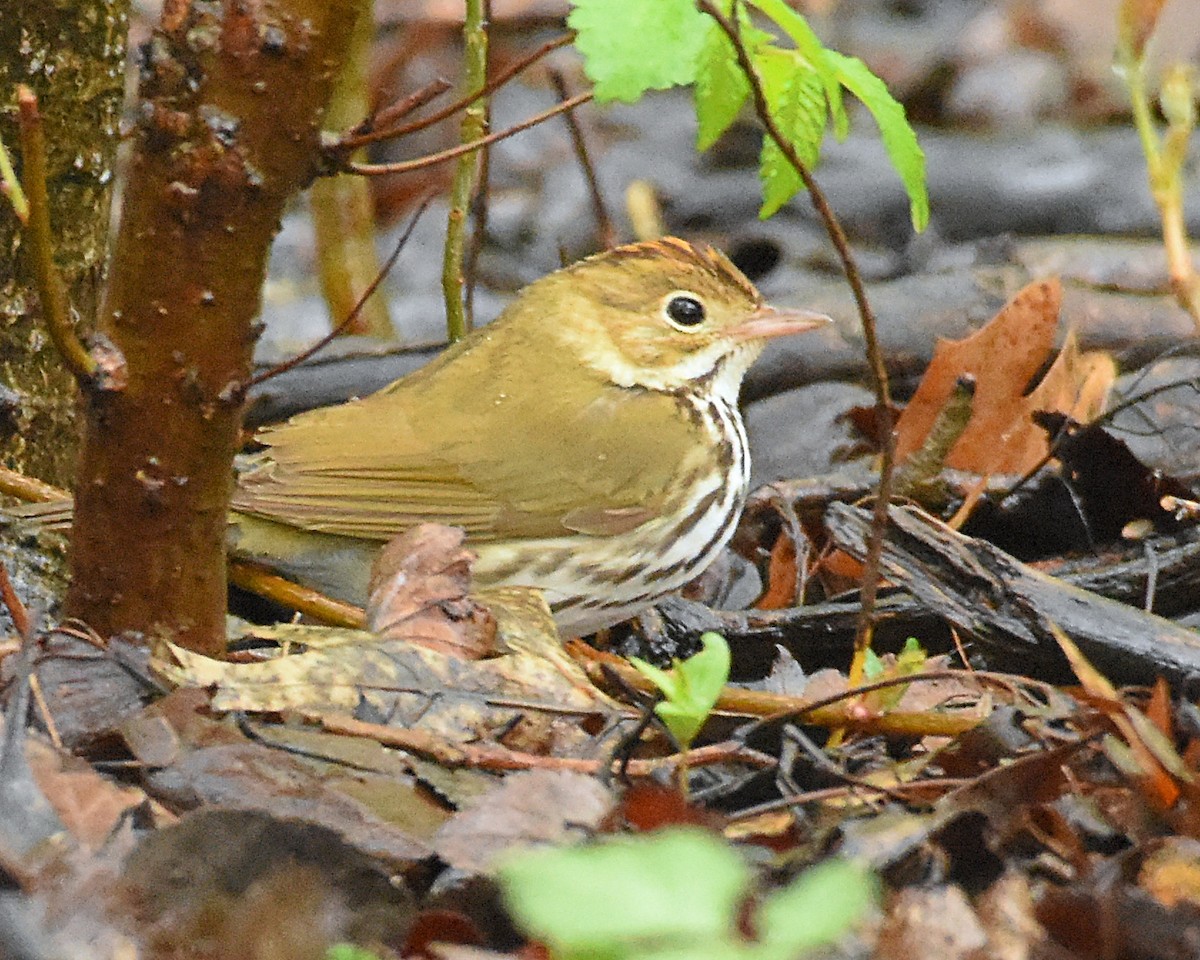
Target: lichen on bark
72,55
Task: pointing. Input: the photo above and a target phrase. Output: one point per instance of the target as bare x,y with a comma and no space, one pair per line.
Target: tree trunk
73,57
232,99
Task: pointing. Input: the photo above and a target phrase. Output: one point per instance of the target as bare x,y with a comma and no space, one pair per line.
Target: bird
588,441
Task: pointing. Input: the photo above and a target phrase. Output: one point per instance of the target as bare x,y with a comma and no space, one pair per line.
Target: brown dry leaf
1077,384
414,686
526,809
781,576
1003,356
935,924
1154,764
90,806
1136,22
419,594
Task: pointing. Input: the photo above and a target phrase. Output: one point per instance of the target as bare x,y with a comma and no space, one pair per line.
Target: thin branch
16,609
293,362
28,489
475,41
479,203
379,169
358,140
263,583
837,235
604,224
51,290
479,217
360,135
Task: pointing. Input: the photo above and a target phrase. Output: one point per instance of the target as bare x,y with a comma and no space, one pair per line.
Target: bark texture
73,57
231,102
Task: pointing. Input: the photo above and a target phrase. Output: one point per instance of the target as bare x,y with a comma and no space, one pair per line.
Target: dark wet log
1007,608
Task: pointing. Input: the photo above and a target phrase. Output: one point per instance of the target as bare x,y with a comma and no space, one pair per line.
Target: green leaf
912,658
810,48
898,137
816,908
673,888
631,46
721,88
691,687
348,951
872,666
796,98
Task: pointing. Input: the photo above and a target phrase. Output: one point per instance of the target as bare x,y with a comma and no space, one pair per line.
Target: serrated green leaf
810,48
796,97
721,88
631,46
676,888
691,687
898,136
816,908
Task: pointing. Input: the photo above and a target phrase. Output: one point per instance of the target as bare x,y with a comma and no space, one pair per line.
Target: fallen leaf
419,594
1003,357
531,808
412,685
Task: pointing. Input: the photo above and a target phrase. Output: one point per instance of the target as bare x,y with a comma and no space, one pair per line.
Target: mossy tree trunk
231,104
73,57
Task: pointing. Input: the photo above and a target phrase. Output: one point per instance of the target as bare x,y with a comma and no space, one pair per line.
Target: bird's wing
589,459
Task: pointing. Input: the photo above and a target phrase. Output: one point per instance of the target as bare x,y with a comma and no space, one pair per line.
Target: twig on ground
29,489
12,603
263,583
495,756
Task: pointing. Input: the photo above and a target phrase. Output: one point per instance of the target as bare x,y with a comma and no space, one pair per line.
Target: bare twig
293,362
396,111
28,489
263,583
379,169
16,609
51,290
837,235
355,140
604,226
835,711
473,127
496,756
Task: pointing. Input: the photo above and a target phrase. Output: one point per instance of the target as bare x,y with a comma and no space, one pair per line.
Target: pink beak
767,322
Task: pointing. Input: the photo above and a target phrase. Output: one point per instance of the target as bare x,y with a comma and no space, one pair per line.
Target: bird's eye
685,311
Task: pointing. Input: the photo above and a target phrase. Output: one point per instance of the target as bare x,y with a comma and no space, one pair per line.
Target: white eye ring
684,311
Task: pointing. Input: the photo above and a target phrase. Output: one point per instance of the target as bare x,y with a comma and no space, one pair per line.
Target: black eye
685,311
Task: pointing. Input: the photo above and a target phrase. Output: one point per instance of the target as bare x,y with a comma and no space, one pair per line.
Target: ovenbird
588,441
